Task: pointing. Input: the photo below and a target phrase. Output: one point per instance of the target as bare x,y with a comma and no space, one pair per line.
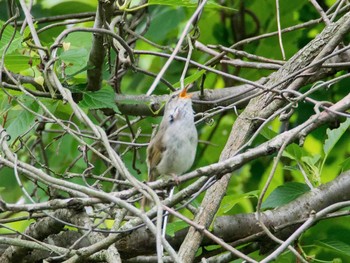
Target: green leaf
5,106
17,62
230,201
291,168
16,42
79,40
191,79
310,165
268,133
75,60
165,23
173,227
284,194
75,56
334,136
311,160
294,152
67,6
277,180
101,99
345,165
189,3
23,121
336,245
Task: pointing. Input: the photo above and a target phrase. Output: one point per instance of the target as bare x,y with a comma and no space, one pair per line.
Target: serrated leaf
6,38
336,245
284,194
101,99
334,136
23,121
230,201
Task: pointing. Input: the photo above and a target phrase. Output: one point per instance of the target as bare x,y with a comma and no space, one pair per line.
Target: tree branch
259,108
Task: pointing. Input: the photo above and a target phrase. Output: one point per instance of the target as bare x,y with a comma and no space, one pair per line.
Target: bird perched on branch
172,150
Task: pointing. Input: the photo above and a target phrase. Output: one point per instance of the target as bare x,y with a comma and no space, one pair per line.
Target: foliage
49,134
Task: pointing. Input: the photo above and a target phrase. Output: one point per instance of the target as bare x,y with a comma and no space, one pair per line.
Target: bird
172,149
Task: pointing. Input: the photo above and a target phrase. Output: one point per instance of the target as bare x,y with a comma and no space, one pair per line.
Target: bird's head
179,105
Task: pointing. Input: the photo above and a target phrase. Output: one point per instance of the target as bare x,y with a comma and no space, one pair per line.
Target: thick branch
98,50
143,105
284,220
257,109
37,231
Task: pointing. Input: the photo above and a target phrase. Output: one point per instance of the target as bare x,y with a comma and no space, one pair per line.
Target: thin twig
279,30
177,47
321,12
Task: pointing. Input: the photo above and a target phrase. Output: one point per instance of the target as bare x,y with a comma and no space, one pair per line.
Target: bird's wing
155,151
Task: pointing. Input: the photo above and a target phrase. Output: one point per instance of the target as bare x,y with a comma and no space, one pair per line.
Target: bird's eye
171,118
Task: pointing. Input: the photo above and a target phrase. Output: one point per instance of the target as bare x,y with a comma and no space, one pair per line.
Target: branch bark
261,108
38,231
243,228
284,220
98,49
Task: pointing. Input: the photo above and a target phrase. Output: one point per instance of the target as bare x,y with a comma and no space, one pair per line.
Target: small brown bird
172,150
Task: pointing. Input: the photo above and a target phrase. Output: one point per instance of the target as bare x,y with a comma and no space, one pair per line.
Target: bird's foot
176,179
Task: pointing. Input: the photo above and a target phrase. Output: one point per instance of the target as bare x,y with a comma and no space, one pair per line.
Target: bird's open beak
183,94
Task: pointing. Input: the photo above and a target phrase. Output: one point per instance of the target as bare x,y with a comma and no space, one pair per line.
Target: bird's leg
176,179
